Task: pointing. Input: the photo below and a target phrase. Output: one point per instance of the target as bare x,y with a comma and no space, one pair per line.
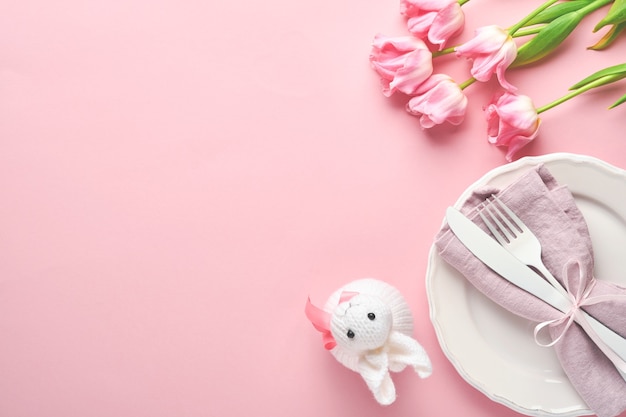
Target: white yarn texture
374,347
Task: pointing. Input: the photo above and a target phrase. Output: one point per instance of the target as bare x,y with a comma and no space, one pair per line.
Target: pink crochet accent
321,321
347,296
321,318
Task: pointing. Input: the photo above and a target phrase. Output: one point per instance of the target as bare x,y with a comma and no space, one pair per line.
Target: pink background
176,177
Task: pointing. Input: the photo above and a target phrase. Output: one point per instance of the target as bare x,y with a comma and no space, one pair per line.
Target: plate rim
484,179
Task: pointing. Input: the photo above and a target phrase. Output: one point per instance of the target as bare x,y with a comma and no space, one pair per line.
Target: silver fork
516,237
511,232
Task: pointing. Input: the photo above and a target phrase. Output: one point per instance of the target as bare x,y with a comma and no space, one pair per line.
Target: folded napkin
550,211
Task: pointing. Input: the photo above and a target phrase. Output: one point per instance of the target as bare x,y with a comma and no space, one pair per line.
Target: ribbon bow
321,319
579,291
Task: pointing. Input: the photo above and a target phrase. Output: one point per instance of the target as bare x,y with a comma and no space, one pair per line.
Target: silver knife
492,254
505,264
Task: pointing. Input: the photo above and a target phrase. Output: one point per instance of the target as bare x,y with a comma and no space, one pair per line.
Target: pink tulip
492,50
438,100
435,20
512,121
403,63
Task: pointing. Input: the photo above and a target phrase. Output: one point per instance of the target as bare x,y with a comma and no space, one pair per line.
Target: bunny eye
350,334
371,316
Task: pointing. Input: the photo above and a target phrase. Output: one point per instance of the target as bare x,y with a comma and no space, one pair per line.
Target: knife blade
505,264
501,261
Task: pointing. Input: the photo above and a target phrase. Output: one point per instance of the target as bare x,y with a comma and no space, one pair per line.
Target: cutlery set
511,251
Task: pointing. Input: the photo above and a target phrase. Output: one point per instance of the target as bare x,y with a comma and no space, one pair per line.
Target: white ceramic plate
493,349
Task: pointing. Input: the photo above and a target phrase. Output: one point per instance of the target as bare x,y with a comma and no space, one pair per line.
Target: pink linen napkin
550,211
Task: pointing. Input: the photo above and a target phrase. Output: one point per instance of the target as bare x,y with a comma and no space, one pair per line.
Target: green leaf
604,76
551,36
618,102
559,9
609,37
615,15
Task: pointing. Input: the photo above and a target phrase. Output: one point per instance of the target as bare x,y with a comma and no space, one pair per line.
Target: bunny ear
404,350
374,369
321,321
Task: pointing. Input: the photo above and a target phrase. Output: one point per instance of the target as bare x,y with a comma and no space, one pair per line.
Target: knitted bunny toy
367,326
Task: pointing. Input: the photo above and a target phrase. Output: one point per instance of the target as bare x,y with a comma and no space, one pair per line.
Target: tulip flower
492,50
438,100
435,20
403,63
512,121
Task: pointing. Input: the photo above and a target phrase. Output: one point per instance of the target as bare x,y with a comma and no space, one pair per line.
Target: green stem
594,5
467,83
587,87
462,2
445,51
528,18
527,31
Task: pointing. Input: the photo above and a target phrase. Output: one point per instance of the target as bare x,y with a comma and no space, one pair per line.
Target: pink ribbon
580,298
321,318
